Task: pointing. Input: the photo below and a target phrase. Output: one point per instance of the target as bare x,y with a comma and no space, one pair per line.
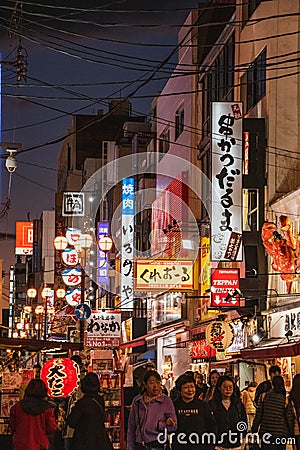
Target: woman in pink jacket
32,419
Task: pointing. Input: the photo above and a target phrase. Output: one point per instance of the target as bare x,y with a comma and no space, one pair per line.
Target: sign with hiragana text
227,159
103,328
165,275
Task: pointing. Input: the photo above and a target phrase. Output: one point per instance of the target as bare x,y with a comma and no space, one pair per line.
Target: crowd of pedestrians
193,416
217,416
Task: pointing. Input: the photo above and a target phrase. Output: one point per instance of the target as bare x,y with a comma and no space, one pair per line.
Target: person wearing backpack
229,415
274,419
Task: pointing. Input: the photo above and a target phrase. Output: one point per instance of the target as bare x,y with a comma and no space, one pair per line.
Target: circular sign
83,311
70,257
219,335
73,297
71,277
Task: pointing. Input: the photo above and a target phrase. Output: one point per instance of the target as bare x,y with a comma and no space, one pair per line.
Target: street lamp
105,244
60,243
82,245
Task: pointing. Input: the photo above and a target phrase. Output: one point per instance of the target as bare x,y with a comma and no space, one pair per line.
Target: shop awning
231,360
142,340
272,349
36,345
150,354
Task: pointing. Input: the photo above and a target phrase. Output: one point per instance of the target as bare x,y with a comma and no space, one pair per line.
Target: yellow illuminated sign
165,274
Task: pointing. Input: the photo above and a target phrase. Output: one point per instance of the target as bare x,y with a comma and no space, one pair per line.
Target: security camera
11,163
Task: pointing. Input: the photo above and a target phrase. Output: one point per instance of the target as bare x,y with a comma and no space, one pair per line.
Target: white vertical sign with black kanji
227,158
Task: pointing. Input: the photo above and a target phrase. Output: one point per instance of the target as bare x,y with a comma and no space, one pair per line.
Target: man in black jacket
194,418
266,386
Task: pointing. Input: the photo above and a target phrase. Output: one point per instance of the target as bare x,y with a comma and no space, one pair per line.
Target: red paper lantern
61,376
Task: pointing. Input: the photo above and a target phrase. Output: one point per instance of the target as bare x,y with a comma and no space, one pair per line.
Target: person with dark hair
151,417
294,398
229,413
201,387
212,381
67,432
194,418
32,419
274,416
87,418
266,386
37,370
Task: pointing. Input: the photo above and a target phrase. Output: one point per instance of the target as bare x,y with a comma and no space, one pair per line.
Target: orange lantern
219,335
61,376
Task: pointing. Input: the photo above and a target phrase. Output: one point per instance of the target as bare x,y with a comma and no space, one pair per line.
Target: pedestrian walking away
32,419
87,418
274,419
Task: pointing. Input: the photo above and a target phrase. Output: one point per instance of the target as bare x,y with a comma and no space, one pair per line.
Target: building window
250,210
248,8
179,122
217,84
256,80
164,143
252,5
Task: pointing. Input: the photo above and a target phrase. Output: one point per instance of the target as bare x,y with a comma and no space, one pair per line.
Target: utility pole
20,63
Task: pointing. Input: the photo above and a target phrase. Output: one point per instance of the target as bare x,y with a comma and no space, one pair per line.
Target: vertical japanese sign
102,264
226,220
127,252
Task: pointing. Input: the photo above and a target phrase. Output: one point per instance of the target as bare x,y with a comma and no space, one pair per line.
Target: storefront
283,344
201,354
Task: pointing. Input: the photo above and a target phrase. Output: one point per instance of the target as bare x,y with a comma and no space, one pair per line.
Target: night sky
66,49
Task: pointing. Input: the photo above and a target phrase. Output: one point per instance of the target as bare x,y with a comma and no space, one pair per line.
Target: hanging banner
127,250
102,263
226,215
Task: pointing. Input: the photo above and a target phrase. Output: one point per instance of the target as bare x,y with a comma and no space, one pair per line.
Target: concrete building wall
279,33
48,235
176,93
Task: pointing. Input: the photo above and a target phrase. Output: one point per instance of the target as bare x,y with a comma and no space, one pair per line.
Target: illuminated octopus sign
283,248
61,376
